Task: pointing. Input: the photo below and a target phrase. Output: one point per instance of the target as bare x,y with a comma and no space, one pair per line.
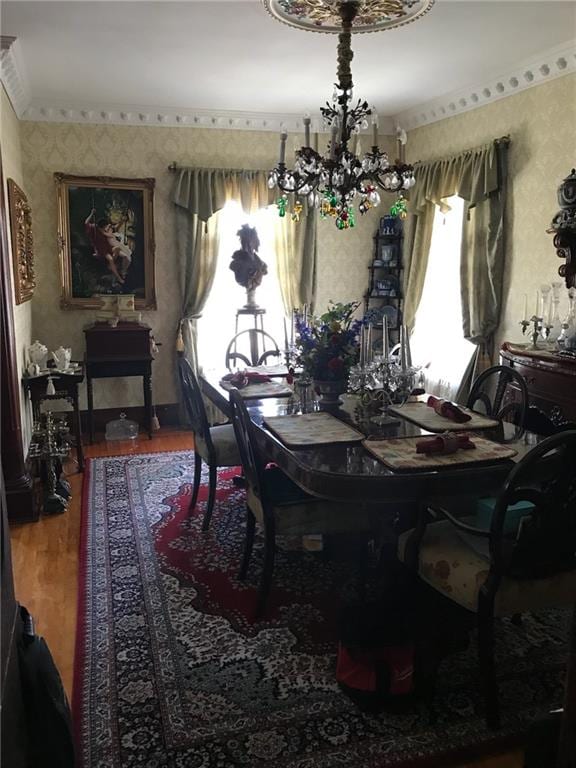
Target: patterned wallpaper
12,169
147,151
541,122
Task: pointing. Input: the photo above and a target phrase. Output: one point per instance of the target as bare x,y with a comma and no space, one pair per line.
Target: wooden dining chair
524,560
251,347
280,507
501,393
215,445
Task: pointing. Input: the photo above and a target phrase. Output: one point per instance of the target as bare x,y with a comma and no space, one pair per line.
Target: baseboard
168,416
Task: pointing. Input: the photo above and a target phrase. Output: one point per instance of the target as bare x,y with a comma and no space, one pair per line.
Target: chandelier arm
311,180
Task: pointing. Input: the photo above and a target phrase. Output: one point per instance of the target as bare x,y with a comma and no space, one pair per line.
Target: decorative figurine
563,228
248,267
38,353
62,358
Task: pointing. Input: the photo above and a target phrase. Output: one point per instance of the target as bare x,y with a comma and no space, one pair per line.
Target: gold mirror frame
22,243
67,229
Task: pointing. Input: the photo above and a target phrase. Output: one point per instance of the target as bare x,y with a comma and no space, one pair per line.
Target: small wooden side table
66,388
122,350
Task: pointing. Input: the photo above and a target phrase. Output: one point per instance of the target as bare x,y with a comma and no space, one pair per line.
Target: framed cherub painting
105,239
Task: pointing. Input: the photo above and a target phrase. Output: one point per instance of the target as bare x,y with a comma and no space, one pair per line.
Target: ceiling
231,55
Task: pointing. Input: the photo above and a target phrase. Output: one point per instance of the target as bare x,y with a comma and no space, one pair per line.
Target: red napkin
448,443
241,379
448,410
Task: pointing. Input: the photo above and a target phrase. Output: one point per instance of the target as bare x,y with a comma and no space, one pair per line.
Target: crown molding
550,64
103,114
12,74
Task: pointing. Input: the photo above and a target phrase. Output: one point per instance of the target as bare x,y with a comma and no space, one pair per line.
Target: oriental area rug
172,672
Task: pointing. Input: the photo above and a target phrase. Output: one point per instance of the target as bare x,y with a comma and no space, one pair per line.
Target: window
216,327
437,342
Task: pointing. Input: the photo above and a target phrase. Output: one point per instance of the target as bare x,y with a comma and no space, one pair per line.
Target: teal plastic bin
514,514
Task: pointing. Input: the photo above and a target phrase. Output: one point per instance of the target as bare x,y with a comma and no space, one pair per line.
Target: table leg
78,430
147,382
90,407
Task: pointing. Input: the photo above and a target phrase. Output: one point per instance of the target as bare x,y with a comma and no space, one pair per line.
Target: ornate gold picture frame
22,243
106,240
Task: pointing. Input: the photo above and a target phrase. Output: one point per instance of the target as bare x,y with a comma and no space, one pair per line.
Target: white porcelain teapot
62,358
38,353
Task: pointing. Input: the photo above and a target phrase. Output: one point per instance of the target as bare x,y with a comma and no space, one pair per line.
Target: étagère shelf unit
384,295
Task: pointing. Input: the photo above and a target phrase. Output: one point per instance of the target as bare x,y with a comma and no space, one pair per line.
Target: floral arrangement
327,346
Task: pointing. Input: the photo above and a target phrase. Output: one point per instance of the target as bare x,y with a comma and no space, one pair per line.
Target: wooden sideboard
550,378
123,350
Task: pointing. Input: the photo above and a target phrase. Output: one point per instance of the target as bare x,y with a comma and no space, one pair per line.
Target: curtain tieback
179,338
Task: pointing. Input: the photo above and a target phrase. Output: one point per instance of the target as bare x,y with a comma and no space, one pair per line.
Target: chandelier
338,182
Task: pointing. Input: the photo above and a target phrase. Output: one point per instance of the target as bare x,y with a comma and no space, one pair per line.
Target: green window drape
479,176
199,193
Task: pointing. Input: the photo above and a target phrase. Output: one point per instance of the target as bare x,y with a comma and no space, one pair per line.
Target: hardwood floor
45,559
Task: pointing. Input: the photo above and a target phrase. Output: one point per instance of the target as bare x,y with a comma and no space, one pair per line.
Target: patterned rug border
79,666
451,758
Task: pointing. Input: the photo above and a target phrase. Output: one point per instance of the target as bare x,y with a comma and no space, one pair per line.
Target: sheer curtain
438,341
217,324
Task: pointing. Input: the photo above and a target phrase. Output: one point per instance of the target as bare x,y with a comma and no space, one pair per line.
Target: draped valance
473,175
204,191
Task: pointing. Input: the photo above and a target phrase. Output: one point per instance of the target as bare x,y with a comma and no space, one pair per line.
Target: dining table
350,471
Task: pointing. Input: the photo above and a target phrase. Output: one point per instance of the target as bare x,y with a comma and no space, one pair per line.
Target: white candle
374,127
306,122
525,313
385,340
316,142
285,336
537,303
369,344
403,352
407,345
283,138
292,328
362,347
334,133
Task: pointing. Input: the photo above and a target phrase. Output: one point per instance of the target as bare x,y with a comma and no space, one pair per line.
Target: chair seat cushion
456,569
225,446
296,512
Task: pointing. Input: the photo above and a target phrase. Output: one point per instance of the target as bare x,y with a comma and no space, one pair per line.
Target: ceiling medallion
340,180
324,15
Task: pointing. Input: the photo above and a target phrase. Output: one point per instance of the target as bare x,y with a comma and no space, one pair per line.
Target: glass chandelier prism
342,181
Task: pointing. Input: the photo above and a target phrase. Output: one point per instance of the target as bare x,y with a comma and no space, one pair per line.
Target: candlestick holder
387,373
524,323
536,330
50,447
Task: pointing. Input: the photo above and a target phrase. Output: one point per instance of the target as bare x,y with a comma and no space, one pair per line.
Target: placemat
400,453
276,371
427,418
257,391
300,430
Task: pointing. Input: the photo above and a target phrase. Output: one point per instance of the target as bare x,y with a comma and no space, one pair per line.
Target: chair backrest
195,409
501,393
545,541
256,346
253,462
